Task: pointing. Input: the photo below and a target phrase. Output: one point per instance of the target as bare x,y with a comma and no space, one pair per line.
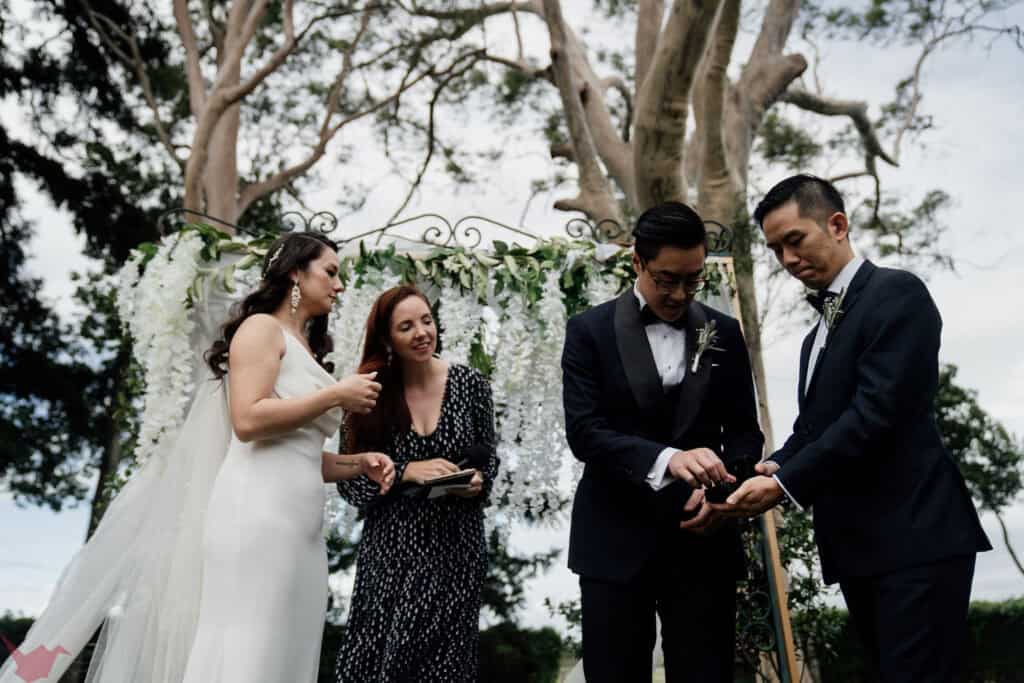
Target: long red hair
373,431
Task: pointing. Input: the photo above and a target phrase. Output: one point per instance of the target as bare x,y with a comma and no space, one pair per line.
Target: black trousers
913,621
696,601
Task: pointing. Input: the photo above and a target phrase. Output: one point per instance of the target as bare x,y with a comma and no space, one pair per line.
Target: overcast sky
976,97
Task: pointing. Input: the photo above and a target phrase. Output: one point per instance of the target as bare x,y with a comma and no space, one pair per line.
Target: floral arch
501,307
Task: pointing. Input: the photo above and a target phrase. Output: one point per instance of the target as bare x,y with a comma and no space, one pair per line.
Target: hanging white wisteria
460,313
161,327
503,311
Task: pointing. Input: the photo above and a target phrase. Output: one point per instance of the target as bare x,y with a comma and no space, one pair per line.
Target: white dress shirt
841,282
668,346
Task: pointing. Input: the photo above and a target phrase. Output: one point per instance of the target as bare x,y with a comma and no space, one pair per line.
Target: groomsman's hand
753,497
699,467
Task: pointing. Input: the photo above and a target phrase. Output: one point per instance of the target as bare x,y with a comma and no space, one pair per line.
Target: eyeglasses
667,285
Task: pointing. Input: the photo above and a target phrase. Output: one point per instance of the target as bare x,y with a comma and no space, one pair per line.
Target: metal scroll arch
435,230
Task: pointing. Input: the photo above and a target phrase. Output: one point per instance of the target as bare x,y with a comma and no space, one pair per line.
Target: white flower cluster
527,392
347,324
602,287
153,308
460,316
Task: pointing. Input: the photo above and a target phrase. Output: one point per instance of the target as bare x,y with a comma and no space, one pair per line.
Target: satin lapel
635,352
857,285
805,361
695,385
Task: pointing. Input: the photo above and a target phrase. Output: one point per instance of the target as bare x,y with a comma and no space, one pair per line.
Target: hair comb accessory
270,263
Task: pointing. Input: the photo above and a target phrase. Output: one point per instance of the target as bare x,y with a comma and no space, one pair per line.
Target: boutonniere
832,311
706,338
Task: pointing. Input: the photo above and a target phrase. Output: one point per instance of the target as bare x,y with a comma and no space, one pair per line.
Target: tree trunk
663,103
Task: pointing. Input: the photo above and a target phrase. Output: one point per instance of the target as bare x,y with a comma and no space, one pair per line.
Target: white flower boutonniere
706,338
832,311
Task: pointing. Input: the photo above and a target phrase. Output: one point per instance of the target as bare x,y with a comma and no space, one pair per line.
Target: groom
656,414
893,520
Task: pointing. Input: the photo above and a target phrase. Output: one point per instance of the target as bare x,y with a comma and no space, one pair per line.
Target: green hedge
509,654
994,652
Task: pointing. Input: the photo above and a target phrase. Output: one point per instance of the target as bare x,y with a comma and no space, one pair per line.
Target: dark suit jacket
618,421
866,451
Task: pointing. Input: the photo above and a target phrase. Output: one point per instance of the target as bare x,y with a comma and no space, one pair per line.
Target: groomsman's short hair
670,224
816,198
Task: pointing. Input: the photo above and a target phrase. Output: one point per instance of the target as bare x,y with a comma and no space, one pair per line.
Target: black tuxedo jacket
618,420
865,450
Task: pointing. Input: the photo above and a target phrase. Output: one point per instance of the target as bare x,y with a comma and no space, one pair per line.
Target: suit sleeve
793,444
587,429
741,432
897,372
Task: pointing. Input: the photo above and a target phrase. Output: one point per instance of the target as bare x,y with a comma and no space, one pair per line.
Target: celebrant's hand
379,468
357,393
422,470
753,497
476,485
699,467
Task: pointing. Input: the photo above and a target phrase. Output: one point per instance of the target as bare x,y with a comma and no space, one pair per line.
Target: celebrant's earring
296,298
390,355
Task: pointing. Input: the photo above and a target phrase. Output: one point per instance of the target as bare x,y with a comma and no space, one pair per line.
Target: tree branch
193,73
716,188
431,137
857,112
650,14
926,51
663,103
135,63
595,197
475,15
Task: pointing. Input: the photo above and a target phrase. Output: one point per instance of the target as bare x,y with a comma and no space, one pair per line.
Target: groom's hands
699,467
706,520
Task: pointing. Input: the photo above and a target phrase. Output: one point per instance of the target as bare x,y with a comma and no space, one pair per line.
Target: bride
210,564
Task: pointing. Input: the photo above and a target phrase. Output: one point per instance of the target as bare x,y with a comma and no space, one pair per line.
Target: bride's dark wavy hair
294,251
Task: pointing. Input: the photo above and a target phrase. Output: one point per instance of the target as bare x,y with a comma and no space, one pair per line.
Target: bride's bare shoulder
258,331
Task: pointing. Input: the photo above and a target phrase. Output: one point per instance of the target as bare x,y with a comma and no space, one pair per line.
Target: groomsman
893,520
659,401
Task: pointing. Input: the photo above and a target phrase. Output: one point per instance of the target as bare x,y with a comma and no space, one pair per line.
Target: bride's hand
422,470
379,468
358,393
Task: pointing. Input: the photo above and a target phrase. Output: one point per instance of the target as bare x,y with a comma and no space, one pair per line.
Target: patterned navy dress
421,562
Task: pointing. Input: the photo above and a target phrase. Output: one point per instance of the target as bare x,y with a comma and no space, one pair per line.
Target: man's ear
637,265
839,226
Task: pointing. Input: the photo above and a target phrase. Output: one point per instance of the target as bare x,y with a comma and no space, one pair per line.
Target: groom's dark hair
816,198
670,224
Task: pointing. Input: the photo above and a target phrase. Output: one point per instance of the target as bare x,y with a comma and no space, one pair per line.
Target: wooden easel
788,667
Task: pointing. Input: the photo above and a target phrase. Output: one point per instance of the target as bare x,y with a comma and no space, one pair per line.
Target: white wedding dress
264,594
211,557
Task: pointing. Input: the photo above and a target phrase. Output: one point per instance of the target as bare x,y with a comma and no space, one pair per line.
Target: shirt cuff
659,476
791,498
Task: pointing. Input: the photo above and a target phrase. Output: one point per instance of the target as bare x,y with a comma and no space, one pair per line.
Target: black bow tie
820,298
648,317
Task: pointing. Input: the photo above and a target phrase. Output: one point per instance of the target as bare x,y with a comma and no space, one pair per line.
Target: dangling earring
390,355
296,298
